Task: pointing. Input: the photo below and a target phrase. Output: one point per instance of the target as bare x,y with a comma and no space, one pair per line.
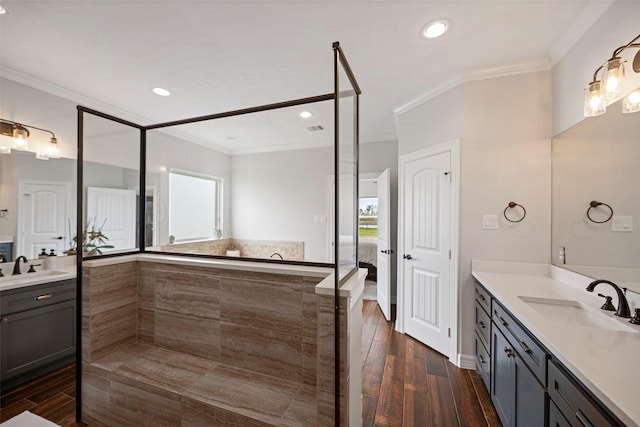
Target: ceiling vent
315,128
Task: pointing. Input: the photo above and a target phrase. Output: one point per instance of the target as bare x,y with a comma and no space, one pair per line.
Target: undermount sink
38,276
573,313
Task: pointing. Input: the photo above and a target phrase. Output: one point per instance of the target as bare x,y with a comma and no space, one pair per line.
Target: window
194,207
368,217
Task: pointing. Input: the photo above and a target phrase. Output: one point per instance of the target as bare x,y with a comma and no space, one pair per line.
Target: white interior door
426,250
384,244
43,212
113,210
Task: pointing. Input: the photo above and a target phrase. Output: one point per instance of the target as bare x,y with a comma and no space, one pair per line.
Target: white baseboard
466,361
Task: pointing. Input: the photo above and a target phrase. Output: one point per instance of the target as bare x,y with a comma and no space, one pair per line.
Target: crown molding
590,14
481,74
78,98
411,104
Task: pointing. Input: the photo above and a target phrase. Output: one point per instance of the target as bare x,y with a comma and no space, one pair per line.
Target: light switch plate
489,222
320,219
622,223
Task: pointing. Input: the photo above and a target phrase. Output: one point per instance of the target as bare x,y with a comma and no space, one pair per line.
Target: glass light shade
20,139
53,151
594,103
612,79
631,102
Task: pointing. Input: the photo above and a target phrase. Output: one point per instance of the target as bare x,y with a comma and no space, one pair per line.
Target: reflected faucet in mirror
623,305
16,266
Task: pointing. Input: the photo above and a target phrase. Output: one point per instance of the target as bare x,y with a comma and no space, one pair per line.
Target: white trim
452,147
481,74
421,99
466,361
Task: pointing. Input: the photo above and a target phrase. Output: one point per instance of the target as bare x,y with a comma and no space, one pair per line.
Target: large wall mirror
598,160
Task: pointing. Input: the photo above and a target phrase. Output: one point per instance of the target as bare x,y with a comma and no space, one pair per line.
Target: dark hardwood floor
404,383
52,396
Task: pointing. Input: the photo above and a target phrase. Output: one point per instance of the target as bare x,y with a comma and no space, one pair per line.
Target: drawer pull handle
482,297
526,348
580,416
41,297
509,352
481,324
482,359
504,322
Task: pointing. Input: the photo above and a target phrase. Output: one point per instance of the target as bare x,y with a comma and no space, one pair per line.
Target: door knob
387,251
407,256
57,238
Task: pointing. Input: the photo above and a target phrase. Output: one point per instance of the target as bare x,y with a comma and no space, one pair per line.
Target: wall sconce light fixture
20,135
610,85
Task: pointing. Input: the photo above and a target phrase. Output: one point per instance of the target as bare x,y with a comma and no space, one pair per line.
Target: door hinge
449,332
449,253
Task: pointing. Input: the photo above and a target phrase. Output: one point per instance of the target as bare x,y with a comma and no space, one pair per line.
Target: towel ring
595,204
512,205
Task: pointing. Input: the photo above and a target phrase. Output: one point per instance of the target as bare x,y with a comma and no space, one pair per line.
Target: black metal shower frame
339,59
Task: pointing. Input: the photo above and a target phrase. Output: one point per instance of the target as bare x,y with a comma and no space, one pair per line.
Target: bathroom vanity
546,352
37,324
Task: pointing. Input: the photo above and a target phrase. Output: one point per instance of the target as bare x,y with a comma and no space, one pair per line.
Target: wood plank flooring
52,396
404,383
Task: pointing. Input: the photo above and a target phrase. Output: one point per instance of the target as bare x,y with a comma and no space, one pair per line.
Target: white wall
616,27
505,156
433,122
276,196
504,127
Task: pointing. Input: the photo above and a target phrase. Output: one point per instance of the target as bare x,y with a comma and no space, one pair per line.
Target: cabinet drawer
483,362
483,325
556,419
576,407
483,297
531,352
16,300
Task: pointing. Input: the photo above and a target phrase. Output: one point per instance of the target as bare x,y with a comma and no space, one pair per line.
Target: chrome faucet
16,266
623,305
276,253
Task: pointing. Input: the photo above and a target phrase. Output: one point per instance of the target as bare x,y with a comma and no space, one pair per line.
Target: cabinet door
530,397
34,338
503,379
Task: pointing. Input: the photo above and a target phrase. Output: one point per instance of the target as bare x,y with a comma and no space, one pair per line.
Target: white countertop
606,361
62,272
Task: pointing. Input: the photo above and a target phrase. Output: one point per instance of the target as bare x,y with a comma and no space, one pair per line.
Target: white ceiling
216,56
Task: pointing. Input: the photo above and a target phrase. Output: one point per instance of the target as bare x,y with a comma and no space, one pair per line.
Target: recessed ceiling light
436,28
305,114
161,92
3,11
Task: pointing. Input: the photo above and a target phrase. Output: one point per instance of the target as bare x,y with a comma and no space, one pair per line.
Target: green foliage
93,240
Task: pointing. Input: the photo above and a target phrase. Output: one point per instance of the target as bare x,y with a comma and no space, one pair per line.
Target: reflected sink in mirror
28,278
572,312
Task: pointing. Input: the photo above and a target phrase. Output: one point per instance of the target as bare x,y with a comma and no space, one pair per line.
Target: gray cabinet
37,330
528,386
483,335
517,392
571,402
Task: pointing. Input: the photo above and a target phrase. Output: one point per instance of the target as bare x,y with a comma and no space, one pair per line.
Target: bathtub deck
149,385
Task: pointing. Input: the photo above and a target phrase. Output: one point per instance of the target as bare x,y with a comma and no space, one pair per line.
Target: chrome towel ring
595,204
512,205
